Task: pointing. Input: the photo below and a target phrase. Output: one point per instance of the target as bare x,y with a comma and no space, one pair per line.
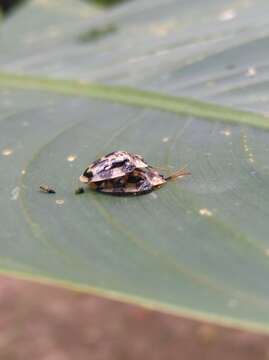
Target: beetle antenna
179,173
164,168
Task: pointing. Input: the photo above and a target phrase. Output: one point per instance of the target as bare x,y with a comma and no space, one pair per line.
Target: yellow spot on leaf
71,158
227,15
7,152
205,212
226,132
251,71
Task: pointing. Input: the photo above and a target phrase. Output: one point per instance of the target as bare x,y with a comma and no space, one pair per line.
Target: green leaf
182,83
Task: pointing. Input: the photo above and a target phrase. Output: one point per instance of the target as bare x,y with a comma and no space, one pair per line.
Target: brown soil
46,323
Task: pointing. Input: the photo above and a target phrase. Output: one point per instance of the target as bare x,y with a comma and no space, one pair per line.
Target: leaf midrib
141,98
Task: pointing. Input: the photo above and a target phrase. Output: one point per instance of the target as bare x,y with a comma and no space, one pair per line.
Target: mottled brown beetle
123,173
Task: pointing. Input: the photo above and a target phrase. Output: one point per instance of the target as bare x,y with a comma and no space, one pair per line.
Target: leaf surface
180,82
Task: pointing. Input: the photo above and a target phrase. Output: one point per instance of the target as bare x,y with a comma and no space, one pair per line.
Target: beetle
124,173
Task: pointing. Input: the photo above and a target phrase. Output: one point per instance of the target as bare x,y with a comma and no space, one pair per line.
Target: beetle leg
144,186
